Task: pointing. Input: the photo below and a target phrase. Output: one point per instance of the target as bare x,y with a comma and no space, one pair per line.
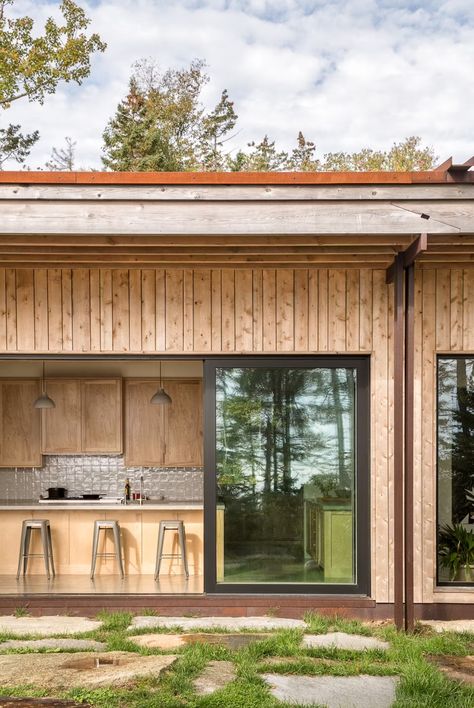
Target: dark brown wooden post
398,434
409,441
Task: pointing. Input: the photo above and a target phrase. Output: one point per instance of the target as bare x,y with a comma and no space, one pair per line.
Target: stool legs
159,550
178,527
118,549
115,528
182,543
45,529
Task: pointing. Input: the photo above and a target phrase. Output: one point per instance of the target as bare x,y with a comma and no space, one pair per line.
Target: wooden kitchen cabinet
183,424
20,423
61,426
101,415
87,418
144,424
163,435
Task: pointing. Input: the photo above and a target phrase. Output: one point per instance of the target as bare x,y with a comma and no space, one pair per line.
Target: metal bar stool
114,526
28,526
171,526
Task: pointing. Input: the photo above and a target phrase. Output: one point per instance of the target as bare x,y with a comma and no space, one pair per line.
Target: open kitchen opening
181,475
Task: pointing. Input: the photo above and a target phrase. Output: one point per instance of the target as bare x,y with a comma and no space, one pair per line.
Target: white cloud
349,73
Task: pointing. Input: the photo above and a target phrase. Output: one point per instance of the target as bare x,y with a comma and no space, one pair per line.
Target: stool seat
44,527
177,526
104,525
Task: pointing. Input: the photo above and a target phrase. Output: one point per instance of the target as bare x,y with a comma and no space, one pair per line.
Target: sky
347,73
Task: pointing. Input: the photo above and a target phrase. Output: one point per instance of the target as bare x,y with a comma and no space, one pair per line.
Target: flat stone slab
342,640
54,671
54,644
47,625
174,641
450,625
334,691
236,624
216,675
6,702
458,668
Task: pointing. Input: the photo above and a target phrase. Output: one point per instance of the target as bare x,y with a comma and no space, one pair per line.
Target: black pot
57,492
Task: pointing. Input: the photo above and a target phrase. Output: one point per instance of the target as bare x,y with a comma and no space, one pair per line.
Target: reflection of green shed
374,269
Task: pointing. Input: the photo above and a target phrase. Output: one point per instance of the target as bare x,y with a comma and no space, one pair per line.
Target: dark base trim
227,606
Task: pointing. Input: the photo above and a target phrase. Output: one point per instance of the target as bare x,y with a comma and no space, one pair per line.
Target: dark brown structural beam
402,274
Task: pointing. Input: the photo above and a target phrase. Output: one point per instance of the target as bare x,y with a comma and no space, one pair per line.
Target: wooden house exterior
265,266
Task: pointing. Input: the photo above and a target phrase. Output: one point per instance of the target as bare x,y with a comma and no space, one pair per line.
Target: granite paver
47,626
233,624
342,640
54,644
174,641
59,671
334,691
450,625
215,676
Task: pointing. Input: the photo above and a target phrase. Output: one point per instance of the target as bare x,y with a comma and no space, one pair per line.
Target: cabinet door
144,424
20,428
101,415
62,425
183,440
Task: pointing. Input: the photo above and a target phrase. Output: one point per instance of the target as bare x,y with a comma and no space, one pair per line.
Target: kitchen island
72,527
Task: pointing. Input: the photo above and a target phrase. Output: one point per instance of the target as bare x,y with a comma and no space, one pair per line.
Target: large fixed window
287,475
455,470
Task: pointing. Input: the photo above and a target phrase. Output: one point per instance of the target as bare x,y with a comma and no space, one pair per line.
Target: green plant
456,549
22,611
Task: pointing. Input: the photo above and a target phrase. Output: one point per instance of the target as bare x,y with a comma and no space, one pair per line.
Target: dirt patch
459,668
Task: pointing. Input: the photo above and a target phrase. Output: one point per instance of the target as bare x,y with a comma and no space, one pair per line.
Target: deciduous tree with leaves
32,65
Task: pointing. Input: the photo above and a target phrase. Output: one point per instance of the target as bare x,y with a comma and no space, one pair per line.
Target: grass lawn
421,683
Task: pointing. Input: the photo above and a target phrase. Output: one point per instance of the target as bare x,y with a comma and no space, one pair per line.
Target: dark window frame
444,583
362,547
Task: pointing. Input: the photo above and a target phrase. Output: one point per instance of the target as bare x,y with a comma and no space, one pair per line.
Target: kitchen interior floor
106,584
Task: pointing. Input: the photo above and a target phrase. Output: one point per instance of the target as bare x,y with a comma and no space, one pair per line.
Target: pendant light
160,398
44,401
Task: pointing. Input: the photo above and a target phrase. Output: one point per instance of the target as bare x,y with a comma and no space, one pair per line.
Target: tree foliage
162,125
32,65
63,159
14,145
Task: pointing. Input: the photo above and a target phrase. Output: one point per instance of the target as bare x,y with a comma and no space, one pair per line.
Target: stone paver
60,644
334,691
342,640
216,675
174,641
47,625
54,671
6,702
227,623
450,625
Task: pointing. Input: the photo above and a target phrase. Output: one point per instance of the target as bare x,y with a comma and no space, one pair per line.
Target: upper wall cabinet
20,431
87,418
168,435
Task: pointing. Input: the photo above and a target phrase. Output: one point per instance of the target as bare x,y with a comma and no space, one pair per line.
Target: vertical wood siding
266,311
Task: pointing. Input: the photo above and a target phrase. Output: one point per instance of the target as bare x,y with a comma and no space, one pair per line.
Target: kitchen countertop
148,505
